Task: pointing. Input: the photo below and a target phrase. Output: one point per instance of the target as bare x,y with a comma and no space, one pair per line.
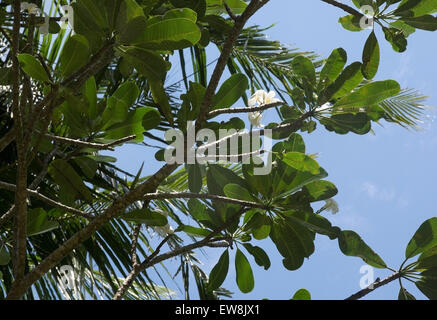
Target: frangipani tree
71,91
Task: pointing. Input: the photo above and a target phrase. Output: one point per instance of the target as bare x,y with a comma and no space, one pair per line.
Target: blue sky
386,181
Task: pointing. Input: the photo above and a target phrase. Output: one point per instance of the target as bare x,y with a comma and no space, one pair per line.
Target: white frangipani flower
31,8
255,119
261,97
331,205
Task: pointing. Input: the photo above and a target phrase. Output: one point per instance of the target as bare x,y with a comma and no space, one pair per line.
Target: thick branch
226,51
374,286
20,217
344,7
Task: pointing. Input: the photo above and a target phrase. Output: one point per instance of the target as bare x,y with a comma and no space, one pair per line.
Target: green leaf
151,119
343,123
217,6
370,57
304,68
38,222
236,191
368,95
87,165
351,23
417,7
405,295
194,178
32,67
261,257
396,37
426,22
119,103
244,274
193,231
218,177
219,272
344,84
75,54
351,244
301,162
428,284
177,29
259,225
320,190
302,294
129,20
146,216
65,176
428,259
161,98
333,67
293,241
230,91
148,63
132,125
424,238
5,256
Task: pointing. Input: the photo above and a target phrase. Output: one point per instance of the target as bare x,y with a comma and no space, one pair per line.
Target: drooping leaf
219,272
351,244
261,257
244,274
370,57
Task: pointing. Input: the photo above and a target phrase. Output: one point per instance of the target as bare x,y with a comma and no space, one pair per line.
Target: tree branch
344,7
85,144
244,110
190,195
20,217
374,286
150,261
36,194
226,51
150,185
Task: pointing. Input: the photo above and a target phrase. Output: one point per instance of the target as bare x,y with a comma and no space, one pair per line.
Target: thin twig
36,194
150,261
244,110
85,144
190,195
229,11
